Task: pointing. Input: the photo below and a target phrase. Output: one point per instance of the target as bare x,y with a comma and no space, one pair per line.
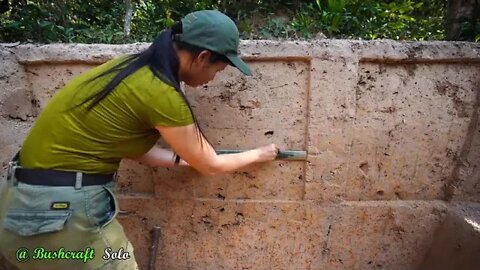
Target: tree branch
128,18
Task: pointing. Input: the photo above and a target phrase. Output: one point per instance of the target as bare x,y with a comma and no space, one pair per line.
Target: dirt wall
391,131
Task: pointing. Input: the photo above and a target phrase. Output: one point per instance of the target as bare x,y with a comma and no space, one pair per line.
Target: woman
58,209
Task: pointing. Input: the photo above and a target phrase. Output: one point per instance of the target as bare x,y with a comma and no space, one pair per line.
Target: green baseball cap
215,31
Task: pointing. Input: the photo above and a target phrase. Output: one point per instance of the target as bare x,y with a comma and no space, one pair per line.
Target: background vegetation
103,21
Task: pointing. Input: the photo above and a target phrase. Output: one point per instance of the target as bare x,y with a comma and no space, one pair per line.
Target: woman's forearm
159,157
231,162
220,164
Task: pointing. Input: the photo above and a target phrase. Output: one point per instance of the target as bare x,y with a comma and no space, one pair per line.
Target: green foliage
99,21
102,21
368,19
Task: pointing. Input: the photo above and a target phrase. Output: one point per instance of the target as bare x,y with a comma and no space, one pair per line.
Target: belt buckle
12,166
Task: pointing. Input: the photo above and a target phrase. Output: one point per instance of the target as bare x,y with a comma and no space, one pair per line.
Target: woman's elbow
208,173
212,169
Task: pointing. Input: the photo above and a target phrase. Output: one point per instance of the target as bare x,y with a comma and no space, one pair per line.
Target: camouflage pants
45,227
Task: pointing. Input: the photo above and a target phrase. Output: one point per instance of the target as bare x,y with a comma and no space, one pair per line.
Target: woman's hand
267,153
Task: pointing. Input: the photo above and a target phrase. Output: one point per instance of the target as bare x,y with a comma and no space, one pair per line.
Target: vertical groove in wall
354,122
461,161
307,126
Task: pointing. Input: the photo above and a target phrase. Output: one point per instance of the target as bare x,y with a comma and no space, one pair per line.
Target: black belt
59,178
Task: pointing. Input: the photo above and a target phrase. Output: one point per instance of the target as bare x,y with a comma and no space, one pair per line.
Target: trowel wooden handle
283,155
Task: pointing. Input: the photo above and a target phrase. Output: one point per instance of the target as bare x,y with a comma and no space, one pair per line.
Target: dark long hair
149,57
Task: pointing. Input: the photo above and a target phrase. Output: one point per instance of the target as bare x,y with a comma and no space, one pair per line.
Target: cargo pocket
102,207
29,223
114,209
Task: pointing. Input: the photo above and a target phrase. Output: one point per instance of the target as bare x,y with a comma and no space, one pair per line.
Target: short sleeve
168,108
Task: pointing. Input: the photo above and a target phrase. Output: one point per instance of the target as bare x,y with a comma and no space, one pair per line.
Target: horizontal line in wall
306,59
419,60
136,195
370,203
336,204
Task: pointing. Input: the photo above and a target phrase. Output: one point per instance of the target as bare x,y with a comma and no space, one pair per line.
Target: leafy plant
101,21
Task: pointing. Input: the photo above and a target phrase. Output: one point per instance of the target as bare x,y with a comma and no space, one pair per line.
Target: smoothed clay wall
391,131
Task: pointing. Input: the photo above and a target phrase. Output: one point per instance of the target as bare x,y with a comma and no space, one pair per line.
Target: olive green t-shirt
121,125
